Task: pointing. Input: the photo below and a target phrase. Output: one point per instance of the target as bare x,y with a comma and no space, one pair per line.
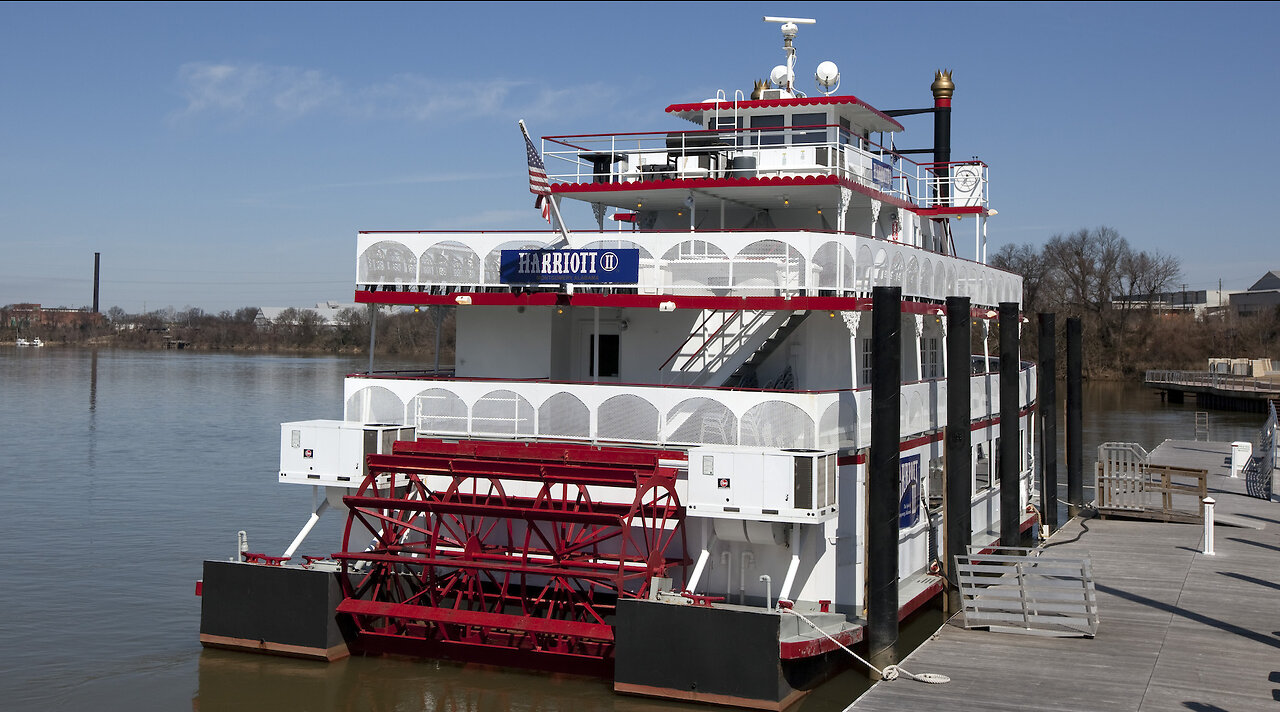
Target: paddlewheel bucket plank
509,553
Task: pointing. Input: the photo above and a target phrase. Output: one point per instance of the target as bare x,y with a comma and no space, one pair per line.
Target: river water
124,470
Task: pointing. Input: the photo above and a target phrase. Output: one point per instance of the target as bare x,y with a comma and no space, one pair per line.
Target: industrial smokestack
97,256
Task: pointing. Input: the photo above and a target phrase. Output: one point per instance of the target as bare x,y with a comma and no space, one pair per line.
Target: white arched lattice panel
911,279
493,260
864,268
880,269
769,262
927,287
563,415
438,411
696,263
502,412
952,289
449,262
897,269
387,262
915,419
834,265
627,417
374,404
619,245
698,421
838,427
777,424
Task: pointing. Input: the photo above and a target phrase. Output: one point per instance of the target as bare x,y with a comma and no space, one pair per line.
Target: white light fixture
992,213
666,306
462,300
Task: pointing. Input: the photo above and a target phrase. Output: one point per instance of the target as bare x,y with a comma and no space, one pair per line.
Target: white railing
655,415
755,152
737,263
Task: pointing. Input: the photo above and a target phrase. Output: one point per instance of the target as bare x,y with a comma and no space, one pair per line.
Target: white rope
890,672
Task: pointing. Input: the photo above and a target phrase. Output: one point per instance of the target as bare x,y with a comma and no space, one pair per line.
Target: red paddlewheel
512,553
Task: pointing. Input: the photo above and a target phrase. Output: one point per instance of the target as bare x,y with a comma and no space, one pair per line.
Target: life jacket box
332,452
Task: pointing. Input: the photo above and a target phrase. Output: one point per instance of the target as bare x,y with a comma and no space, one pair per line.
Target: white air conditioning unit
332,452
762,485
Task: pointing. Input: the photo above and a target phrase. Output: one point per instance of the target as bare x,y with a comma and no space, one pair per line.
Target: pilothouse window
812,135
771,134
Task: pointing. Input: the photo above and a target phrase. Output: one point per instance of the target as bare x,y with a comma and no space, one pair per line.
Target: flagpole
555,207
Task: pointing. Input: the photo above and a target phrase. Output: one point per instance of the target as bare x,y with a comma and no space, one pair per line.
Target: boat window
727,123
847,137
982,465
608,355
813,135
769,137
864,377
930,361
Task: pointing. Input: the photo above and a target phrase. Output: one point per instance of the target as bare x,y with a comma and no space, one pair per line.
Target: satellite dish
779,75
828,77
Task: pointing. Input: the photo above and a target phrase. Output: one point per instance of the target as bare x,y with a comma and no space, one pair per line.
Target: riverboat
656,440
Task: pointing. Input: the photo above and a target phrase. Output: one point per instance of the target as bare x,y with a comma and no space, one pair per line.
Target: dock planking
1179,630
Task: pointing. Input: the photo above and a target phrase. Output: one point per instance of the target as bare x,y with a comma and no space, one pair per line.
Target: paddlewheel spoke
512,553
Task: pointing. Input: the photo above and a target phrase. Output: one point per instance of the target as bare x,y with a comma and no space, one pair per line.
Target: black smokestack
97,257
942,88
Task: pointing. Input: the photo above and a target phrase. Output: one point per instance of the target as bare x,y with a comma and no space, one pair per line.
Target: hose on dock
890,672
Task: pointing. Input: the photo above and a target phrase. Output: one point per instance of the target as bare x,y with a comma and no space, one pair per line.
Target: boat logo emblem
609,261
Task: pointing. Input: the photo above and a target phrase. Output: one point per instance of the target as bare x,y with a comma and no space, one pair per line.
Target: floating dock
1179,629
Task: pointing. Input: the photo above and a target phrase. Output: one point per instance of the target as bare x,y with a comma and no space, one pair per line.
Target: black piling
1010,459
883,475
97,259
1075,421
1047,409
957,499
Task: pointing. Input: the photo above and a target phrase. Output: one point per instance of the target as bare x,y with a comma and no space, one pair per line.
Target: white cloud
240,91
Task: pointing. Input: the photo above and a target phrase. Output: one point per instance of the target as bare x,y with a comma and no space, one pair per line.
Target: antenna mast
789,30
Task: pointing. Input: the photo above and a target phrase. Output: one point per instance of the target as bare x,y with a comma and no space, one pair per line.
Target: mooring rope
890,672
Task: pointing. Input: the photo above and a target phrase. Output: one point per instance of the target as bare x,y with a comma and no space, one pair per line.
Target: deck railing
783,151
720,263
655,415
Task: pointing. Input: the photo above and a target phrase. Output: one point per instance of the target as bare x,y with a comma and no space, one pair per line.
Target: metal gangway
1127,484
1021,590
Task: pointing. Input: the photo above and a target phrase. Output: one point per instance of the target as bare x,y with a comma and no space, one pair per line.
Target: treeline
402,332
1098,277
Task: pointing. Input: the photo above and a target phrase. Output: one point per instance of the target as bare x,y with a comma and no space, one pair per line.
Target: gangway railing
1260,470
1021,590
1127,484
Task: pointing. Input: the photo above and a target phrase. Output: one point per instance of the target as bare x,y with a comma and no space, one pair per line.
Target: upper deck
800,156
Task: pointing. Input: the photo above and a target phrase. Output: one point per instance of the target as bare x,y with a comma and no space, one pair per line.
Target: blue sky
224,155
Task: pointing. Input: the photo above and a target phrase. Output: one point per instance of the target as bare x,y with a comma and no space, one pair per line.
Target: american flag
538,184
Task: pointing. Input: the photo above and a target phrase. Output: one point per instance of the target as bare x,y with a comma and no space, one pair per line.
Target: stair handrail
695,332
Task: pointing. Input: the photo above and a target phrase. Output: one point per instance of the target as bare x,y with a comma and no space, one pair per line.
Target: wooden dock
1217,390
1179,630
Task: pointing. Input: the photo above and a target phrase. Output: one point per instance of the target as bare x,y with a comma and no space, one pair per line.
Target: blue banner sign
881,175
908,491
570,266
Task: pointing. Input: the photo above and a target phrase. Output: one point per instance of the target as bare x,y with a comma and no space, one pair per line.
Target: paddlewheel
507,553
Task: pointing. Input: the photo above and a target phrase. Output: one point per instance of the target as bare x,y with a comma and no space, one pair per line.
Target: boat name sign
615,266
